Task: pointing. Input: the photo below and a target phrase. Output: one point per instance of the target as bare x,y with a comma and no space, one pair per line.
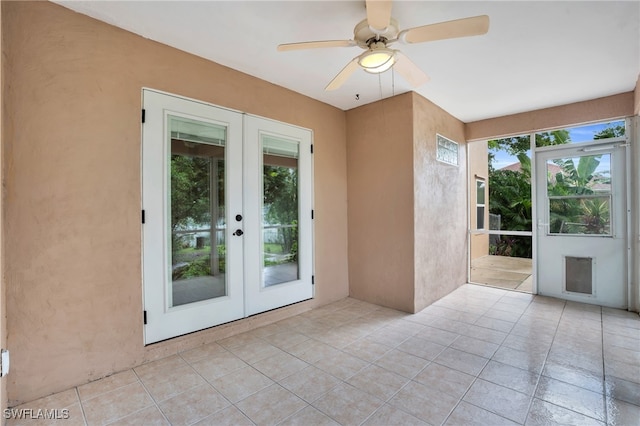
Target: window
446,150
480,206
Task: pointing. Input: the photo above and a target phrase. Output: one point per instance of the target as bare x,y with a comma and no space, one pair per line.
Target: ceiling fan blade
379,14
410,71
315,45
343,75
465,27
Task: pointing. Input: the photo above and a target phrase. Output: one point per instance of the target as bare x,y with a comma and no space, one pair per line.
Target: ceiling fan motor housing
364,35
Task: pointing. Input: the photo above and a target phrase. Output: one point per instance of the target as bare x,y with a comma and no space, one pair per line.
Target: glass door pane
579,192
280,210
197,226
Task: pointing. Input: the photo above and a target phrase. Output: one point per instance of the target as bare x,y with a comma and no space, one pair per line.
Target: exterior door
192,257
227,215
278,207
582,226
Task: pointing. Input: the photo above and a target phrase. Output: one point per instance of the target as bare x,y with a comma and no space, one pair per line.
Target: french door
227,201
582,219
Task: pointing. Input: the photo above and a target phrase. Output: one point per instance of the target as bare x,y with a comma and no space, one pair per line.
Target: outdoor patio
501,271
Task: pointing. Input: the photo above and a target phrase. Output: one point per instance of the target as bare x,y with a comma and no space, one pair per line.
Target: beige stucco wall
478,168
610,107
3,322
72,208
380,190
440,205
407,211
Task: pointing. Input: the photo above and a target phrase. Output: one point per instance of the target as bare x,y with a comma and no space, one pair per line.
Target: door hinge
143,115
313,279
144,317
311,213
143,216
312,148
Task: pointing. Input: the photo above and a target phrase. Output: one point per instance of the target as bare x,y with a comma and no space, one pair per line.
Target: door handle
238,232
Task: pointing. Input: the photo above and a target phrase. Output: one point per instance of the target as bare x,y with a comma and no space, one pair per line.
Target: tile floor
480,355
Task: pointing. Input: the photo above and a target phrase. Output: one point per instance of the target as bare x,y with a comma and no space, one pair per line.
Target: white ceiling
536,54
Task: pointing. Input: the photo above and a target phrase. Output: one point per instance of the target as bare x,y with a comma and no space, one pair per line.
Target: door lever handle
238,232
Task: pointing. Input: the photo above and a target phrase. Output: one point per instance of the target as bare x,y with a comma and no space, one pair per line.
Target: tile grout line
84,416
484,367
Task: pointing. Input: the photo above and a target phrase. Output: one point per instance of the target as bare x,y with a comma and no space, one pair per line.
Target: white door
581,214
278,214
226,202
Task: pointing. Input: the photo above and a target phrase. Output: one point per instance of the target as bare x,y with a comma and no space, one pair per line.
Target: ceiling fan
379,31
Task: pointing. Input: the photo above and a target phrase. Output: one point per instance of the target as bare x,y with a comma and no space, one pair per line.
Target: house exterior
391,222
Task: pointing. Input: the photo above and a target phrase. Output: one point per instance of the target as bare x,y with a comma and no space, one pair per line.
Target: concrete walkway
504,272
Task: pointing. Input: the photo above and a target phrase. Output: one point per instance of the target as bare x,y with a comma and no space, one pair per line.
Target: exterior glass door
227,215
581,211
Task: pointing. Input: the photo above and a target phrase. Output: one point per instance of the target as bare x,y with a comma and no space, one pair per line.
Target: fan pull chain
393,82
380,84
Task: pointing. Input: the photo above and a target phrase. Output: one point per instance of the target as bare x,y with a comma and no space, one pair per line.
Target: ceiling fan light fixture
377,60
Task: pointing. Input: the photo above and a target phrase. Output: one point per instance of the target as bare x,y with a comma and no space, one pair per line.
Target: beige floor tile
218,365
496,312
574,375
286,339
424,403
622,370
160,366
347,405
388,336
279,366
238,340
623,390
499,400
520,380
470,415
445,379
172,382
271,405
388,415
539,345
543,413
577,399
622,413
526,360
402,363
309,416
475,346
377,381
201,352
150,416
193,405
106,384
229,416
436,335
421,348
495,324
310,383
116,404
367,350
312,351
57,400
342,366
241,383
462,361
486,334
255,351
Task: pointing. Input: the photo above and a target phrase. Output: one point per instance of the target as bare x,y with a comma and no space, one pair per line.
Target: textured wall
440,205
3,307
380,182
610,107
478,167
72,165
